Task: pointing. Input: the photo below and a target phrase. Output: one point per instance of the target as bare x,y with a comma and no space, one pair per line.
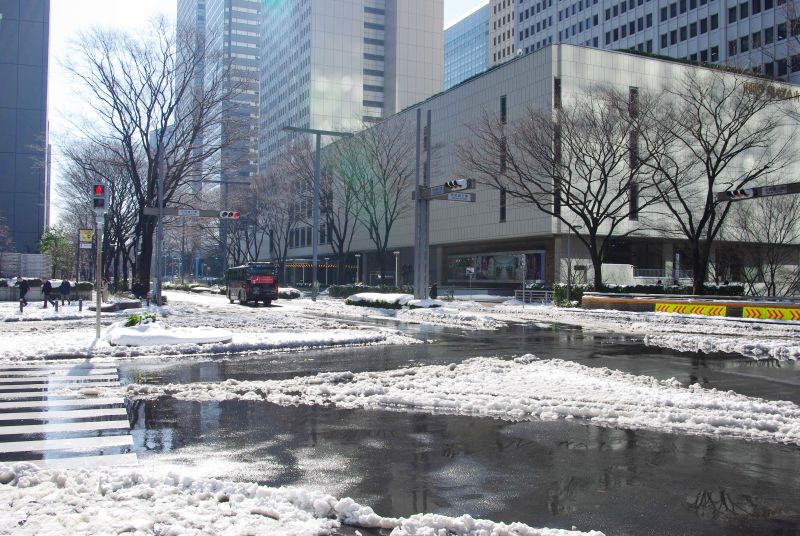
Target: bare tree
770,229
373,171
579,163
714,131
338,200
148,107
6,242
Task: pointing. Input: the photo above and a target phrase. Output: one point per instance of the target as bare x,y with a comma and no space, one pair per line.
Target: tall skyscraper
502,30
338,65
466,47
24,44
232,36
758,35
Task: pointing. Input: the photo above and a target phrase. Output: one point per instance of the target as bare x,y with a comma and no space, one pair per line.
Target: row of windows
668,12
541,25
576,8
622,8
373,57
687,32
743,9
544,4
545,42
374,10
780,67
746,42
502,37
374,26
503,20
629,29
300,238
502,5
499,55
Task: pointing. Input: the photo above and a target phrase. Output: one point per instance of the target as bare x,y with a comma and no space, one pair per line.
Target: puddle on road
556,474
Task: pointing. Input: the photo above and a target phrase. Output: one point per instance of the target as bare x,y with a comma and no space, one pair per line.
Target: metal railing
534,296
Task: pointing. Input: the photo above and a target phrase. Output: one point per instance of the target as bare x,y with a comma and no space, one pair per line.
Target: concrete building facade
502,31
340,65
492,233
759,35
466,51
24,45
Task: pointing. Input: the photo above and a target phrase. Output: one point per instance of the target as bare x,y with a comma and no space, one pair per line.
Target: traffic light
99,201
745,193
457,184
228,215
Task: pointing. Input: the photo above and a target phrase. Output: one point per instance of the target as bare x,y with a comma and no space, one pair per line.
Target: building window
664,15
649,46
744,10
704,56
703,26
756,7
796,63
768,36
502,205
503,114
673,10
683,6
781,67
556,93
649,20
664,41
732,47
732,14
683,33
693,29
714,21
714,54
755,40
673,37
769,68
781,31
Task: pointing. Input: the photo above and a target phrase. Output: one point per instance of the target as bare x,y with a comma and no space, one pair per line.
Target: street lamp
326,271
358,262
569,260
315,230
397,269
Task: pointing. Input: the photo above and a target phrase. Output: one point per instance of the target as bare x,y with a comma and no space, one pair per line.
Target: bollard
56,305
80,305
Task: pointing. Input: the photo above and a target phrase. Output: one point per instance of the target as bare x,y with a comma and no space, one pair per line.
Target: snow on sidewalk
39,501
523,389
81,344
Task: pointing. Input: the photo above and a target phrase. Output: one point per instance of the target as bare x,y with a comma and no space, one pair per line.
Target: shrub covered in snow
138,319
83,286
344,291
289,293
382,301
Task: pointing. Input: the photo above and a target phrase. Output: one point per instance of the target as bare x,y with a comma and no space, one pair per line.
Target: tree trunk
699,267
145,253
597,265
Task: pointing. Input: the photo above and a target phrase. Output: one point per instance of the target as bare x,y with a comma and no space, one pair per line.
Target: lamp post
358,262
315,229
326,271
397,269
569,260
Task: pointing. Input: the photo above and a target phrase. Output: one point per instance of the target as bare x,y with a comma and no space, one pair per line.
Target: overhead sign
188,212
456,196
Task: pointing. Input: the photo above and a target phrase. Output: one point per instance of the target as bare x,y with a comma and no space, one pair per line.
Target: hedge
379,305
83,285
344,291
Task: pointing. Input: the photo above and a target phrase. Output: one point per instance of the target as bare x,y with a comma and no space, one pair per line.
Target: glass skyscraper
466,50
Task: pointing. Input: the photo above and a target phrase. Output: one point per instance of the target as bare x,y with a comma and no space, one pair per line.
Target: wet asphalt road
557,474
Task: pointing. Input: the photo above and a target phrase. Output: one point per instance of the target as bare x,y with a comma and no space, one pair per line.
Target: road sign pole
98,275
315,230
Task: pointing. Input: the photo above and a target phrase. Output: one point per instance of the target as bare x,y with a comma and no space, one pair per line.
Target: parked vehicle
254,281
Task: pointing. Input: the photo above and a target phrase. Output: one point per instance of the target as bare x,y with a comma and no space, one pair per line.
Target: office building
758,35
466,51
502,31
340,65
232,39
24,44
491,234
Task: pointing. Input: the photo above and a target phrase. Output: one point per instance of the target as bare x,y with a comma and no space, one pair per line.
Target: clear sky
69,17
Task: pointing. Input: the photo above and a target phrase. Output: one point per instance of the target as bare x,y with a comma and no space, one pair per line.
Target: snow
376,297
780,349
114,501
81,344
288,293
159,334
524,389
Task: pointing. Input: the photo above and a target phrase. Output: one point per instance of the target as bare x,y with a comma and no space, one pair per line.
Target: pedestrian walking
47,290
434,293
65,289
24,287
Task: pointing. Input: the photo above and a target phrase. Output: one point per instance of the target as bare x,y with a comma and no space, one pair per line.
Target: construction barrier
771,313
691,309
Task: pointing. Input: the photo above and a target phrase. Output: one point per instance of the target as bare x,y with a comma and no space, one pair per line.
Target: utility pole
422,213
317,172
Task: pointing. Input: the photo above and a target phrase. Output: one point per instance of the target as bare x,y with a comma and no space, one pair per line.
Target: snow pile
425,304
378,298
523,389
83,345
782,350
289,293
114,501
159,334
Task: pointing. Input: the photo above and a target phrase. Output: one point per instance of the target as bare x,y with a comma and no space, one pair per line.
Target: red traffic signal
229,215
99,190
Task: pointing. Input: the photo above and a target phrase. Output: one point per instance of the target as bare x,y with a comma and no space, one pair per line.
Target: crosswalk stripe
61,403
77,462
56,385
59,372
73,444
56,379
47,395
54,368
64,427
68,414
